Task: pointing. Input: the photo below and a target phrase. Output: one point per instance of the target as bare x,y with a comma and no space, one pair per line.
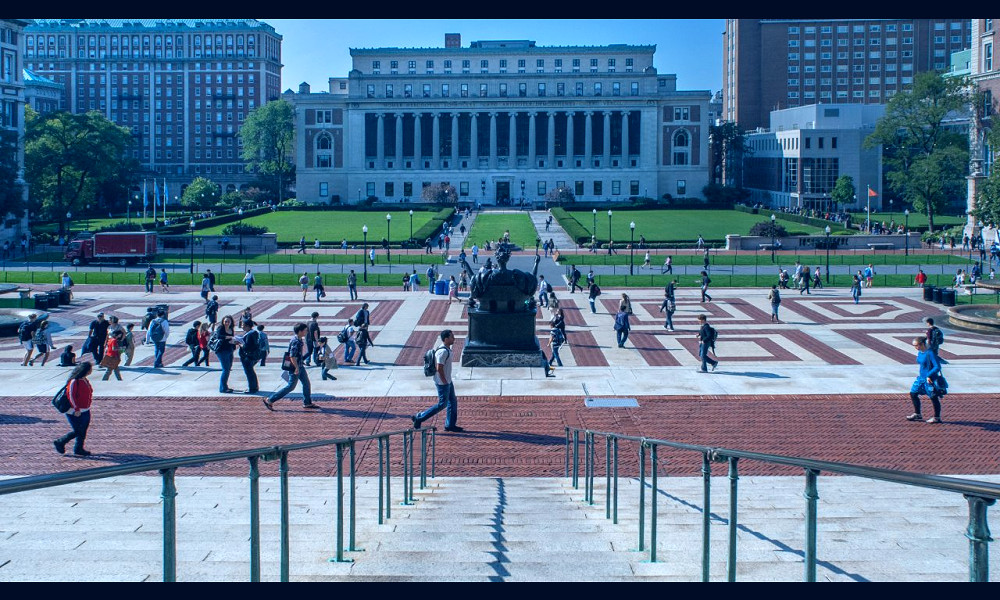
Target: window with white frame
681,147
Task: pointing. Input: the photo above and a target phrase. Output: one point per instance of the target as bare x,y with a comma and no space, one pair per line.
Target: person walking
804,281
346,337
363,316
211,280
414,282
574,280
934,338
265,345
80,394
543,291
364,340
431,277
352,285
558,321
318,287
304,284
150,279
705,281
627,303
302,245
326,359
869,274
856,288
929,382
191,339
248,280
817,278
371,256
206,287
164,286
453,290
26,336
128,347
159,331
67,284
557,337
112,356
475,254
706,342
98,336
224,345
622,326
43,343
669,305
668,266
774,297
447,400
204,334
312,340
250,353
706,260
212,311
292,364
645,262
593,292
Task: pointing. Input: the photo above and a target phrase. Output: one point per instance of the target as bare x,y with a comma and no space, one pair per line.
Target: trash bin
441,288
64,296
928,292
55,298
41,301
937,295
165,308
948,296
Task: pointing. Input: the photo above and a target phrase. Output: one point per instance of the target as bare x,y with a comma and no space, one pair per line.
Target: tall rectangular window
324,189
988,56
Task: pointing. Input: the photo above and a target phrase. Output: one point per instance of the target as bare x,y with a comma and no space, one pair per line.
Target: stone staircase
483,529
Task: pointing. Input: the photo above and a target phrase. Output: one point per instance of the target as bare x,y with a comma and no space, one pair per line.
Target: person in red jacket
80,395
921,278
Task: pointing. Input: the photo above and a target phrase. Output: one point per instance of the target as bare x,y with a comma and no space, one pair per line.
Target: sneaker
310,405
60,447
934,420
915,417
701,370
455,429
714,365
82,452
268,405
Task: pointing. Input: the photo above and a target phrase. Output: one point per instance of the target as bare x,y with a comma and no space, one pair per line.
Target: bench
769,246
881,246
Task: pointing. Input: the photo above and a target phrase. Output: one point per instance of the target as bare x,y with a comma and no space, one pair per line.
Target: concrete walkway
555,232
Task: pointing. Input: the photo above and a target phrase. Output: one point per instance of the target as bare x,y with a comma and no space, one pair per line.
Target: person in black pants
99,336
706,343
250,354
312,340
364,340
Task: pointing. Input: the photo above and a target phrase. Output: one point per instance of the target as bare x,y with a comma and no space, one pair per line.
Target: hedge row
573,228
377,207
815,222
431,227
234,279
184,227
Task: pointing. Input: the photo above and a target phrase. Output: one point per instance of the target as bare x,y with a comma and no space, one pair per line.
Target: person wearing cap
98,335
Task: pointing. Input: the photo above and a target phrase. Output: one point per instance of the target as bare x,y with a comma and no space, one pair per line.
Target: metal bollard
652,508
388,480
607,477
168,494
254,519
423,459
706,514
433,452
566,453
978,534
811,495
340,506
283,474
733,478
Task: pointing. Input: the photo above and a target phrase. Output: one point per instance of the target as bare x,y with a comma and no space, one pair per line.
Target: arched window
231,188
682,148
324,142
324,151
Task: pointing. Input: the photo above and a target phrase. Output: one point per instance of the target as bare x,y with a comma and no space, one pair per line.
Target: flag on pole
145,198
872,193
166,194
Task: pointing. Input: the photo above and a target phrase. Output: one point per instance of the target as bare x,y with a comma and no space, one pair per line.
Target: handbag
286,363
61,400
88,345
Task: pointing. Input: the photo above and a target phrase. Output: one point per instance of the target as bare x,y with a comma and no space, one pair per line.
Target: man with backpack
159,330
150,279
669,306
352,285
705,282
574,280
706,341
622,326
312,340
206,287
212,311
557,339
250,354
363,316
98,337
26,335
437,362
544,289
935,337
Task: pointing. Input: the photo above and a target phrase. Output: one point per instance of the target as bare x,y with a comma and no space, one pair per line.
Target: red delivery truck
123,248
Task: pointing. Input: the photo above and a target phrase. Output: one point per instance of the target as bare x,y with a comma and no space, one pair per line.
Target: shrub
764,229
560,195
244,229
291,203
572,227
123,226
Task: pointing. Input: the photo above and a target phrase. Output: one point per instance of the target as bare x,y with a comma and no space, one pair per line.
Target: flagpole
868,222
145,199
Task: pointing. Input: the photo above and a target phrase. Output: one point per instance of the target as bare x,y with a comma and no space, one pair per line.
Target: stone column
474,141
531,140
454,140
588,140
493,140
512,140
625,162
551,159
418,159
436,141
399,140
380,141
606,158
569,139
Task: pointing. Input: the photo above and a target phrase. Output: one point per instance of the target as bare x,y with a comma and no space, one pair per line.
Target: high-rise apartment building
12,116
501,120
773,64
183,86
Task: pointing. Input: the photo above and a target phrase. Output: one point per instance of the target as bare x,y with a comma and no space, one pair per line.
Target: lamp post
482,184
595,223
609,233
631,248
522,193
128,212
411,225
890,210
364,257
772,238
906,231
69,218
827,254
241,229
88,217
388,237
192,245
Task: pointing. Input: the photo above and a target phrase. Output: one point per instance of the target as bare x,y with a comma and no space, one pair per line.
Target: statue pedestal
501,339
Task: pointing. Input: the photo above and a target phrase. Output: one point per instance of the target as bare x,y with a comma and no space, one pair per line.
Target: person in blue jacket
929,382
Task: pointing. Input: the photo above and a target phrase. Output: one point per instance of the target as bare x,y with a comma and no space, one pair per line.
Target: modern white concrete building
796,162
501,121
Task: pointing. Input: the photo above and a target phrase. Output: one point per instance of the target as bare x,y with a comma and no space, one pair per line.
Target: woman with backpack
669,306
364,340
113,355
43,343
222,343
80,395
191,339
622,326
774,297
558,321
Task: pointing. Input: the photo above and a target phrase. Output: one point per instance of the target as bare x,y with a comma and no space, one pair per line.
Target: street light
192,245
827,254
631,248
128,212
772,238
241,229
364,257
388,237
359,195
595,223
483,185
522,192
411,225
906,231
609,233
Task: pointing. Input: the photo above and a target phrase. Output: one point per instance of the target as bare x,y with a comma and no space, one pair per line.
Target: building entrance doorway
503,193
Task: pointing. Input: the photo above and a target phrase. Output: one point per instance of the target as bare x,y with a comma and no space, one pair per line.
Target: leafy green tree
69,157
926,161
843,190
267,136
11,200
729,148
201,194
440,193
560,194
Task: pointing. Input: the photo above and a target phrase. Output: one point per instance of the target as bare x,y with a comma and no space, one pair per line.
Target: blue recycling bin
441,288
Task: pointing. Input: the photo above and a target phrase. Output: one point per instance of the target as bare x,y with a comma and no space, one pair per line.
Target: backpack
215,342
61,400
597,290
713,335
156,330
621,320
548,287
937,337
192,337
22,332
342,336
708,280
251,351
211,309
39,337
430,363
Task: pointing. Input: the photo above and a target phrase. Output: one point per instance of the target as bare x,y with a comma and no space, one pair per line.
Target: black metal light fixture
364,258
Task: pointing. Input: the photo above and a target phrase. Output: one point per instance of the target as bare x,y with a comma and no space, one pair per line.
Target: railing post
283,474
566,458
576,459
407,467
423,458
607,477
733,478
614,507
979,538
254,520
410,458
340,506
388,480
351,543
642,495
706,514
811,495
381,483
653,494
433,451
168,494
590,471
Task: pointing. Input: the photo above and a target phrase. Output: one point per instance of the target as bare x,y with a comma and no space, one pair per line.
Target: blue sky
315,49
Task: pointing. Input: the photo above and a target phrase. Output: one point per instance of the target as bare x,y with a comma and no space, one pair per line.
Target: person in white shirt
445,387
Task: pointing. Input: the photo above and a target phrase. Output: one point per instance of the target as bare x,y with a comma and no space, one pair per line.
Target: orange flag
872,193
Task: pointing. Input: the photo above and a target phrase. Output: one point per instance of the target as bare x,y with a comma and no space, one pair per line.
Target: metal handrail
979,494
167,468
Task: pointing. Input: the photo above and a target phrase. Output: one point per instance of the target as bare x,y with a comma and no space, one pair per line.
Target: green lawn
916,219
658,256
333,226
678,225
492,226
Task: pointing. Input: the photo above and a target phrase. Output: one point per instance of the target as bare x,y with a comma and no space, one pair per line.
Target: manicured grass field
916,219
678,225
657,257
333,226
492,226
